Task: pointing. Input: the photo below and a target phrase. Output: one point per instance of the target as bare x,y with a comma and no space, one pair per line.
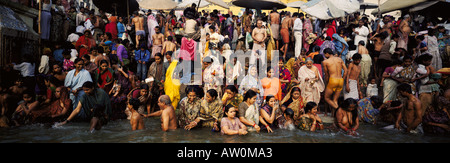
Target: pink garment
187,49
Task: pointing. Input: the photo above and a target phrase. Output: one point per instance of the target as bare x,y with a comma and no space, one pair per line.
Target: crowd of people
188,70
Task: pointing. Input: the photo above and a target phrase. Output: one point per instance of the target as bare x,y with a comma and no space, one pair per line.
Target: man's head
404,89
157,29
301,15
356,58
164,101
88,87
259,23
327,52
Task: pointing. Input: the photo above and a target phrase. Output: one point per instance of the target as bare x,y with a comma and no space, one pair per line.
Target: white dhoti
354,93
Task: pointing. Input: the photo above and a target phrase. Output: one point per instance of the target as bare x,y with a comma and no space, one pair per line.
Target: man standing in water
167,113
333,67
411,114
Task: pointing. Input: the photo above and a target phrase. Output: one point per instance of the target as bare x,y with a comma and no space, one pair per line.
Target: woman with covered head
294,101
189,107
252,82
57,110
210,112
311,82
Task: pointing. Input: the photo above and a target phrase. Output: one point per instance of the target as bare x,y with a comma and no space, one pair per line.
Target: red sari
89,42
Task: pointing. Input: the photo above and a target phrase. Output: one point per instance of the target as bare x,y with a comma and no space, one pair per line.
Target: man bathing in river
167,113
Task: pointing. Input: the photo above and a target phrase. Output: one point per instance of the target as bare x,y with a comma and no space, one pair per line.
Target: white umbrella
392,5
260,4
216,2
330,9
188,3
158,4
296,4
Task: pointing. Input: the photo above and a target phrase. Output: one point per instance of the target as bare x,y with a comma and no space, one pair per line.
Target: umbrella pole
128,9
198,5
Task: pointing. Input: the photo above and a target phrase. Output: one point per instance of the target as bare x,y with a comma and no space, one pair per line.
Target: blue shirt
142,55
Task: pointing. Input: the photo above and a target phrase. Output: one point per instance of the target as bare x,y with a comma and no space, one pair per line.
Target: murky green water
119,131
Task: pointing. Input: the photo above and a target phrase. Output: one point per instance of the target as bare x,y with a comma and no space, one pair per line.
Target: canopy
158,4
12,25
330,9
260,4
392,5
188,3
296,4
218,3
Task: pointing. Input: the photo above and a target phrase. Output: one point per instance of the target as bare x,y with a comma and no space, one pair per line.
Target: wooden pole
39,27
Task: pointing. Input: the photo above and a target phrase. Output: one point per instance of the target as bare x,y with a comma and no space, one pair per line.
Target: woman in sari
271,84
85,43
143,96
311,82
251,82
308,28
103,76
75,80
248,111
310,121
389,84
210,113
232,96
267,113
172,84
57,110
284,77
406,73
157,68
294,101
189,108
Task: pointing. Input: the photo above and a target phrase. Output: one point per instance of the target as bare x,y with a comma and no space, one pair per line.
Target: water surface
119,131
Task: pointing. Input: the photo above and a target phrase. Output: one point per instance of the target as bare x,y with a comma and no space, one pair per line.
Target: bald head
165,100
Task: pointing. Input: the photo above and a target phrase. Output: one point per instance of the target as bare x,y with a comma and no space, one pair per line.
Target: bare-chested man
167,113
259,36
284,32
404,29
333,67
352,84
274,18
158,39
138,22
168,45
411,114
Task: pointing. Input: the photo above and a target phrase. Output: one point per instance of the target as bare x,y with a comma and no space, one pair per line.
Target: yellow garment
270,44
171,85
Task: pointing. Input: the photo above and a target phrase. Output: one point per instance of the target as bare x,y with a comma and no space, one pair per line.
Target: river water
119,131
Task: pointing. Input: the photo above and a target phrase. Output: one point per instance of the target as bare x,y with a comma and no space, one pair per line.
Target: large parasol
158,4
260,4
330,9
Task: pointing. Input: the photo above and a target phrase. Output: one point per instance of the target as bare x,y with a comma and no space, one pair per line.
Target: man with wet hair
411,113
